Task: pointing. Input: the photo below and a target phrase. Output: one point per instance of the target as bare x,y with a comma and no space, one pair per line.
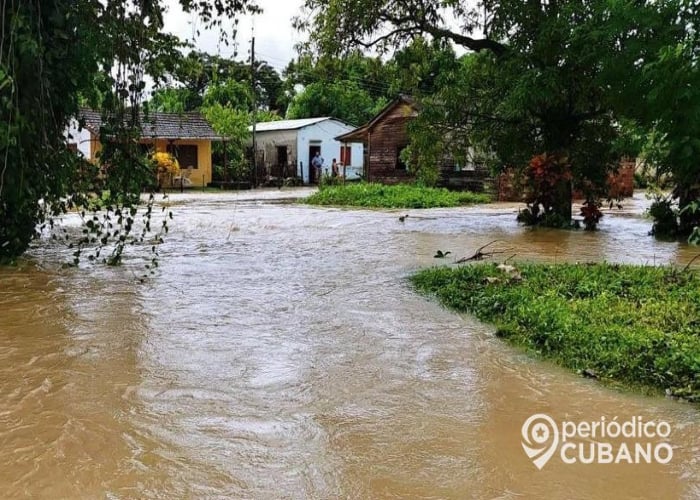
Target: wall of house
386,138
267,144
200,176
323,134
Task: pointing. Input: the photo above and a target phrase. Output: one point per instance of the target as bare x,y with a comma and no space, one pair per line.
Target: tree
370,74
52,56
229,94
197,71
417,68
385,24
550,78
232,124
670,109
344,100
228,107
174,100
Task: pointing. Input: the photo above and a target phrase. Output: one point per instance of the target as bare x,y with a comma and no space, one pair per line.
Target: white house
286,147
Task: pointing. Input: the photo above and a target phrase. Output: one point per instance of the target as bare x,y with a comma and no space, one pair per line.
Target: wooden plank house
386,135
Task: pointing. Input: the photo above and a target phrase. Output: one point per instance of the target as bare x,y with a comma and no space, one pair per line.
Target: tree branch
408,24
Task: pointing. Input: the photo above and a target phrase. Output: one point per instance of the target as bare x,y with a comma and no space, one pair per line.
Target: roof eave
357,135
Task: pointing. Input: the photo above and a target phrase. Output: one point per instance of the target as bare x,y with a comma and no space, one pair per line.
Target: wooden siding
385,139
389,134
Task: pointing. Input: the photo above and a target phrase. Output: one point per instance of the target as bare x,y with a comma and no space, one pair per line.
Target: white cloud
274,35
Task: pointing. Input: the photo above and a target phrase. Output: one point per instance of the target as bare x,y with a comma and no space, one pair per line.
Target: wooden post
226,178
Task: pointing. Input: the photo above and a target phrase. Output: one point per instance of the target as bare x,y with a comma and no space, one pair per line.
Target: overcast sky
274,35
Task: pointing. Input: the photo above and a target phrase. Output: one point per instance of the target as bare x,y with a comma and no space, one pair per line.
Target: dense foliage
555,78
369,195
631,324
54,56
344,100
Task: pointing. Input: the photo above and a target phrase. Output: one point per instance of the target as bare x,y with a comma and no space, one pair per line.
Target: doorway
312,171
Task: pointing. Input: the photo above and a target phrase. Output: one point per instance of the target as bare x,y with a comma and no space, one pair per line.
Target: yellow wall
201,176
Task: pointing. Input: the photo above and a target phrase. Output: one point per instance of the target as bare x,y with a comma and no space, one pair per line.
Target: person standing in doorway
317,164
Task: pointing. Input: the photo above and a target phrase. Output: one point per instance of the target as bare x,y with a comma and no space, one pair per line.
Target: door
312,171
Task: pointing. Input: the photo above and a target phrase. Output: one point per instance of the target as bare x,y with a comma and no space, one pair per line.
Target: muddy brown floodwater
280,352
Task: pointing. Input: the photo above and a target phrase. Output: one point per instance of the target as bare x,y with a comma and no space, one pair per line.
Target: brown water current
279,352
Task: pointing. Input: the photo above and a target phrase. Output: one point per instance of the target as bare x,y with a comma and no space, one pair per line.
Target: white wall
269,141
81,138
323,134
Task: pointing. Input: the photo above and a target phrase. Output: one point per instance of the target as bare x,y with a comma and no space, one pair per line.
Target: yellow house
188,136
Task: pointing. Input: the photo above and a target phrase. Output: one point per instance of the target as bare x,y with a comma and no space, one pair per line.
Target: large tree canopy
386,24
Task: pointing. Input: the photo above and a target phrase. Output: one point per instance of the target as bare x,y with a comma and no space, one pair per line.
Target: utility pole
255,110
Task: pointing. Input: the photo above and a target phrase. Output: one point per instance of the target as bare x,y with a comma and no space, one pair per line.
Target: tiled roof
161,125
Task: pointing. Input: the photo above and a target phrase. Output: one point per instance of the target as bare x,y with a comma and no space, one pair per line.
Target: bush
665,217
371,195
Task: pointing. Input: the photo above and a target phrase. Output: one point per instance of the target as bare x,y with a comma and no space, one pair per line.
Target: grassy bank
398,196
630,324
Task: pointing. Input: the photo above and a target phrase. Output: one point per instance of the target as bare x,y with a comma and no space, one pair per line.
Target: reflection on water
279,353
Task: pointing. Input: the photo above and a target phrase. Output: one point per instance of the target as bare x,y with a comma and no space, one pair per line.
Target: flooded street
279,352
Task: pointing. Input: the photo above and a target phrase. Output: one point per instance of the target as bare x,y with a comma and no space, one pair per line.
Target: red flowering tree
547,182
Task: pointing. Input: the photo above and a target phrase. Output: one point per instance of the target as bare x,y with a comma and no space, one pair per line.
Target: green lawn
631,324
369,195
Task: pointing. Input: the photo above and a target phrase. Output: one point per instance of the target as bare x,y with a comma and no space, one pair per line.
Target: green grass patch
631,324
370,195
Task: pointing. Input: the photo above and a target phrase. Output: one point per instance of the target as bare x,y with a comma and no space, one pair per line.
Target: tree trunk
562,203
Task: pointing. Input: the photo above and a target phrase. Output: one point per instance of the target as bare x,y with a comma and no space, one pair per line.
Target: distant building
285,148
188,136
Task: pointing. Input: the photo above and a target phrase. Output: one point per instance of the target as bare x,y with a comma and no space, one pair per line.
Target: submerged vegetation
631,324
371,195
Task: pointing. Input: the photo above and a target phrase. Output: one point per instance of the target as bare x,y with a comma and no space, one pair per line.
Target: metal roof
287,124
161,125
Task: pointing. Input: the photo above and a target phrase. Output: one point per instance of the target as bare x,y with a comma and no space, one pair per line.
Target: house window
186,155
346,155
400,164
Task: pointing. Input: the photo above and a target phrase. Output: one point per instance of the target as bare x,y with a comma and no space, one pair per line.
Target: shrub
665,217
370,195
